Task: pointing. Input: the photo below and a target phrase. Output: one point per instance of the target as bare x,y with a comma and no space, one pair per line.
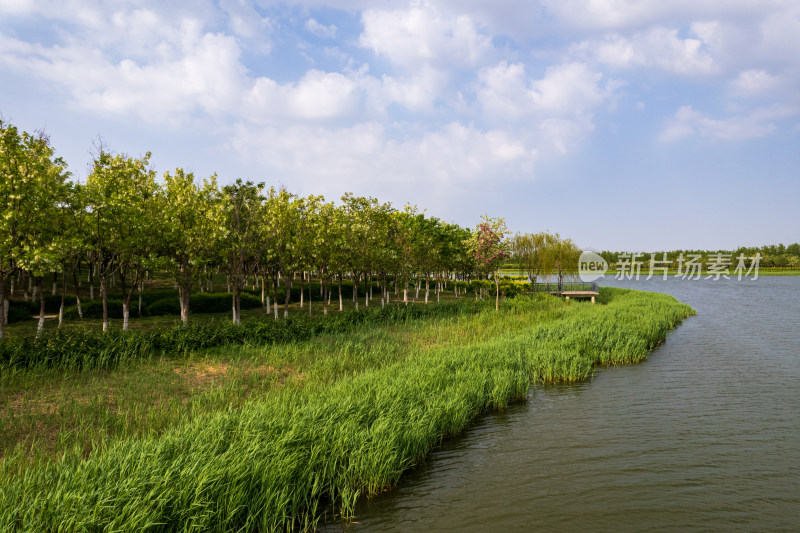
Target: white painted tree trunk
126,313
80,309
6,304
275,306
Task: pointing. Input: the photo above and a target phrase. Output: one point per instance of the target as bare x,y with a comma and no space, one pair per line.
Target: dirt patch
20,404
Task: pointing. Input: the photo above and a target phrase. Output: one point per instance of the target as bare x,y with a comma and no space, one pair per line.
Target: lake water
703,436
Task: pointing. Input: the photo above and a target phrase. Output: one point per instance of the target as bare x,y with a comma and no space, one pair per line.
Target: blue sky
625,125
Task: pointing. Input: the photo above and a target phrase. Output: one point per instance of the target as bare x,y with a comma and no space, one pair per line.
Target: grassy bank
286,429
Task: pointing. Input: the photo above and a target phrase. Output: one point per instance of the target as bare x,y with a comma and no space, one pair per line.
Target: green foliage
273,464
82,349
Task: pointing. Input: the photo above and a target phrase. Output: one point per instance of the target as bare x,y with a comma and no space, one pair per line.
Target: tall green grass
83,349
274,463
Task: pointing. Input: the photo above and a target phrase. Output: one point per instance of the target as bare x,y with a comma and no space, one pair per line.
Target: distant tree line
771,256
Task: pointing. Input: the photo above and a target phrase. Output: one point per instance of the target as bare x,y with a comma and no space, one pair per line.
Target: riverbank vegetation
773,259
271,436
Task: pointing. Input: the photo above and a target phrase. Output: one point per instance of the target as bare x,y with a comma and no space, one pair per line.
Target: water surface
703,436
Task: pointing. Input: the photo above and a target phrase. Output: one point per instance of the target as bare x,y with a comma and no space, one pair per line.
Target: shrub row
85,349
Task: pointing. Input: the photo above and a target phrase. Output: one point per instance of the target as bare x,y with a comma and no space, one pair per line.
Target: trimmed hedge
202,303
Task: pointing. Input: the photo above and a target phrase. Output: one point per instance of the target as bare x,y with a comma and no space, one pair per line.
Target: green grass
288,429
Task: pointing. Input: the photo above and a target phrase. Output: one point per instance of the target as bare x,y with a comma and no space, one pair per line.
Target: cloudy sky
624,124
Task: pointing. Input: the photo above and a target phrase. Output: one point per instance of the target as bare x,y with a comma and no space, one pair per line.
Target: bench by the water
568,289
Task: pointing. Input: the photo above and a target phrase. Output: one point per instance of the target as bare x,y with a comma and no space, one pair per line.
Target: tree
490,249
33,190
121,193
192,226
403,230
526,249
14,193
243,244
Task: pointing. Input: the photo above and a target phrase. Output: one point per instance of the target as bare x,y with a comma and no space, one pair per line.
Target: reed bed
348,430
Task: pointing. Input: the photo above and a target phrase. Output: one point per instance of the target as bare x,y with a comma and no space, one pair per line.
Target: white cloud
321,30
755,82
204,77
558,108
687,122
365,155
657,48
243,19
317,95
633,15
422,35
566,89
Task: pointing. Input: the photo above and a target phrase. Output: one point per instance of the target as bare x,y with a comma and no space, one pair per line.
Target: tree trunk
126,313
264,297
104,297
288,284
76,280
497,293
141,290
275,295
238,290
55,284
184,290
341,308
427,289
236,307
40,327
302,290
63,296
184,296
325,295
309,292
4,300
